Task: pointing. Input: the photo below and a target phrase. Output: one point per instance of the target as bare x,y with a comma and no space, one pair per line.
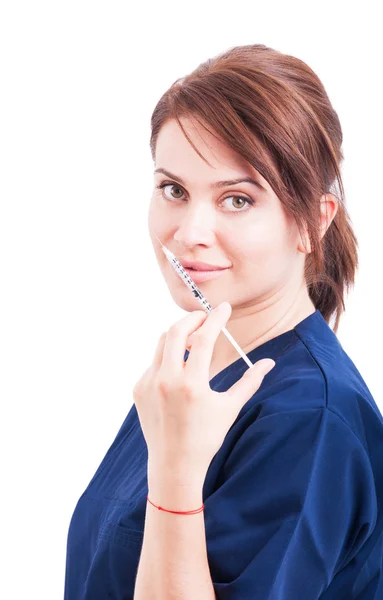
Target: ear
329,205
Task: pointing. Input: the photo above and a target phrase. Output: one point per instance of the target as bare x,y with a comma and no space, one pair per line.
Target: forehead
176,154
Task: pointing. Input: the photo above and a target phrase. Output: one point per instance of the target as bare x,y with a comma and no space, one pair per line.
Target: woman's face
198,220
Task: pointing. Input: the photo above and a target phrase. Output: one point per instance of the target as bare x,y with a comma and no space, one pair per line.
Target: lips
200,266
201,276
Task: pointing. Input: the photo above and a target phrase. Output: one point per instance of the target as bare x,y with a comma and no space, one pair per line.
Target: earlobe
304,245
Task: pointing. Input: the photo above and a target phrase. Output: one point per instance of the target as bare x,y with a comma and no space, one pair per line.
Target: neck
254,325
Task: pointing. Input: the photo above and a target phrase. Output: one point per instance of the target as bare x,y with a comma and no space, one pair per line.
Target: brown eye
236,198
174,186
179,191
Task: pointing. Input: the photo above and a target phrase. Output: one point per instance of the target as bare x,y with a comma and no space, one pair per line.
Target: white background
79,318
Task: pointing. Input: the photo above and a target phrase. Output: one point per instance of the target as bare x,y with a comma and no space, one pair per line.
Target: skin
262,246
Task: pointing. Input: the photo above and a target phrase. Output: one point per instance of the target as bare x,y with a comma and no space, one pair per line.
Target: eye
249,201
165,185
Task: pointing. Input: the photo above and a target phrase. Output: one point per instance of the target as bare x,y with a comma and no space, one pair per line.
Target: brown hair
273,110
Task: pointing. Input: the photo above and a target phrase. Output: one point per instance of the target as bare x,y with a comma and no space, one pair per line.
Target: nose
197,227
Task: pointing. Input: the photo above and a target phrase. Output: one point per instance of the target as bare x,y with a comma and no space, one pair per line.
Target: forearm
173,563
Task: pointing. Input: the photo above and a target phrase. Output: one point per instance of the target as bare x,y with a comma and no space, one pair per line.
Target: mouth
198,265
199,276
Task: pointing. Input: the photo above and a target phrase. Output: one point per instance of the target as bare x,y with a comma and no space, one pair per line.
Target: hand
183,420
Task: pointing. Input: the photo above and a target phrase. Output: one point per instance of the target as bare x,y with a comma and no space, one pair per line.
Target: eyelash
250,201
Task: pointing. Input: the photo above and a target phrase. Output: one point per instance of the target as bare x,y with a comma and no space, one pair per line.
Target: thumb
252,379
265,365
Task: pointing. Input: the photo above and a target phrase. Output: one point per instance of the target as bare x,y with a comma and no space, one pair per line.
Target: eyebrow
217,184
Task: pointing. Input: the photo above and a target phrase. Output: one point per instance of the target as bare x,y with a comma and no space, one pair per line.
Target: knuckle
138,389
174,330
163,385
188,388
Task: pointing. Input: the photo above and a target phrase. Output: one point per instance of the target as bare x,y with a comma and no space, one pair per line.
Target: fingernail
267,365
223,305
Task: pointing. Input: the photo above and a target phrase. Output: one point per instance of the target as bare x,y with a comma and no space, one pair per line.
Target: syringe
200,297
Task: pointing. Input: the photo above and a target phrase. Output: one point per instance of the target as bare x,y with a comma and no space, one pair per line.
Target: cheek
152,217
156,223
258,240
160,219
156,229
264,248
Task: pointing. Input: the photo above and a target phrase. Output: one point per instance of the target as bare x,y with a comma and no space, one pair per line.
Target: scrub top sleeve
295,503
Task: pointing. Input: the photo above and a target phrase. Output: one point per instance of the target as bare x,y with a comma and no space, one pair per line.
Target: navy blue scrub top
293,498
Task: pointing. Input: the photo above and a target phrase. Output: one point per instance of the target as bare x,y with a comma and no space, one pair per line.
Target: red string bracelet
188,512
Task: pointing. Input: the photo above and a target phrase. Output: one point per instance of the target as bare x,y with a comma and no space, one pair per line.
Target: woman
280,473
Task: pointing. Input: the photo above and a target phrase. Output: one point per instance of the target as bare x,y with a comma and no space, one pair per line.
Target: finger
157,359
176,341
204,340
251,380
189,341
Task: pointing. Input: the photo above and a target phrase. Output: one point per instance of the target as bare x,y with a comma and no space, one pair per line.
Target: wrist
179,498
167,475
174,489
